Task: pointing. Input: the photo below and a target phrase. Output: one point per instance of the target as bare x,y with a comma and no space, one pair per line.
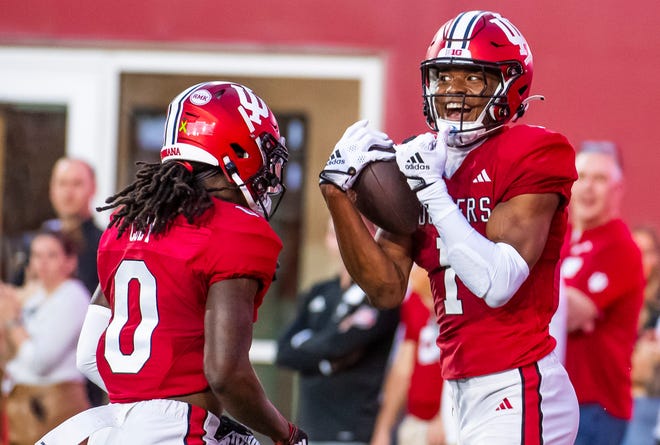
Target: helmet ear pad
499,111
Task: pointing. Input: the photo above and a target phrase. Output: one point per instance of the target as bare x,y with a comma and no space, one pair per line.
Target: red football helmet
488,42
226,125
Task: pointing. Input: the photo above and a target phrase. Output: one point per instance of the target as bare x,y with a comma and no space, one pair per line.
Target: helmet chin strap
465,136
473,132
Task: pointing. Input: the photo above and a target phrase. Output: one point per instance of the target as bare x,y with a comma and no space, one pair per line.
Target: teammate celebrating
494,198
183,266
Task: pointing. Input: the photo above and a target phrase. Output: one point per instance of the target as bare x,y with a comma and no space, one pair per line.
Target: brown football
383,196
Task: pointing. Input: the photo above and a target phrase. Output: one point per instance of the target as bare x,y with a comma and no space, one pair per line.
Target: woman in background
40,325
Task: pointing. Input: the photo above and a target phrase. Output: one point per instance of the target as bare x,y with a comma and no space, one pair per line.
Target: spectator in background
40,330
413,385
604,282
647,240
646,356
340,345
71,190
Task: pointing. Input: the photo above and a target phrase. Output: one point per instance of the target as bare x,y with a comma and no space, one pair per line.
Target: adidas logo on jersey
335,158
482,177
504,405
416,163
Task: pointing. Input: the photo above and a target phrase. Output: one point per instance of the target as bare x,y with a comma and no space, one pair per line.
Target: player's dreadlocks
159,194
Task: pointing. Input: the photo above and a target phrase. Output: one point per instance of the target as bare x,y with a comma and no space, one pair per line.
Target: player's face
597,191
465,91
48,261
71,189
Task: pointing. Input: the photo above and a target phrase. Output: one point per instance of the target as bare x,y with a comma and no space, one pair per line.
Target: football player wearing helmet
476,77
494,213
183,267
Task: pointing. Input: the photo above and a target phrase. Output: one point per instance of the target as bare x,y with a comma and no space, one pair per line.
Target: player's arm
340,342
228,337
494,266
96,321
581,311
298,330
380,268
435,434
523,222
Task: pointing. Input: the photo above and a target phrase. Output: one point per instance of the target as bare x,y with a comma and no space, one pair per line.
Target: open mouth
457,111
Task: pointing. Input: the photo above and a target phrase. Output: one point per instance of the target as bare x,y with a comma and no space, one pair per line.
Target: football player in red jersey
183,267
494,197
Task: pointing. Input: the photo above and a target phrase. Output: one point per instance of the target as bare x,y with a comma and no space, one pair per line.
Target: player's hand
422,160
296,437
435,434
360,145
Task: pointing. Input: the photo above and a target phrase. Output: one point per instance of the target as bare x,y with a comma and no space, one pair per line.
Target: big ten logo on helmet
250,102
455,52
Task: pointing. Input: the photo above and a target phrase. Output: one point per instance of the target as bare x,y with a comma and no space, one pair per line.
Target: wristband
437,201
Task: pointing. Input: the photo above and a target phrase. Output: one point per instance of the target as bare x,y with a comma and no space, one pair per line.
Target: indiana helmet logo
170,151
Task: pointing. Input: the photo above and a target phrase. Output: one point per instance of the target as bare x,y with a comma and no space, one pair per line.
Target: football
382,195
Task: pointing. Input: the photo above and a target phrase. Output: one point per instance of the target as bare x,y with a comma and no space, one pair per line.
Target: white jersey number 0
136,272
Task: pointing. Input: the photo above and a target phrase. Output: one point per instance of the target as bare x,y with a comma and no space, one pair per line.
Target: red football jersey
425,387
157,288
474,338
605,264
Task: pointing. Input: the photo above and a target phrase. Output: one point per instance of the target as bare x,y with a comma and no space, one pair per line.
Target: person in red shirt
494,201
604,284
183,267
413,381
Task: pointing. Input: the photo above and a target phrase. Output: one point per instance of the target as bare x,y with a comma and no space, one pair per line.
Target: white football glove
360,145
422,160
